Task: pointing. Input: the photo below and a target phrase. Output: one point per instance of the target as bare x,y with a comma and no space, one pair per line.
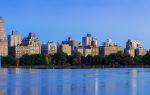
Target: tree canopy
61,58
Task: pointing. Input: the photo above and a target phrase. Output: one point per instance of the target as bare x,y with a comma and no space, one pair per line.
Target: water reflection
134,82
74,82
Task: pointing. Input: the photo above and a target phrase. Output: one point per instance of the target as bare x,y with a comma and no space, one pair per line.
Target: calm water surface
120,81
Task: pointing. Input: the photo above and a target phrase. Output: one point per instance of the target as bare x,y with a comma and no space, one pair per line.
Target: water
133,81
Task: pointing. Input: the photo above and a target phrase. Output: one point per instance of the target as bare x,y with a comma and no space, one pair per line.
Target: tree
138,59
17,62
120,59
48,59
83,59
75,59
59,58
146,59
8,60
89,60
26,60
99,60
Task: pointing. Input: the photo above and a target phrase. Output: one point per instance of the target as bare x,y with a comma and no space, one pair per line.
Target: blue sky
54,20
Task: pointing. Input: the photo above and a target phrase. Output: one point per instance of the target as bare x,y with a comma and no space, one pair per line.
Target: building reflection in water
71,82
134,82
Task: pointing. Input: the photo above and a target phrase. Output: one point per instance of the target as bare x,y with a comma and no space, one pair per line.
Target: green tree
89,60
26,60
120,59
59,58
75,59
8,60
48,59
39,59
138,60
146,59
99,60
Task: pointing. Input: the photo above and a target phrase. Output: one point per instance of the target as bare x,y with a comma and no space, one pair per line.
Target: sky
55,20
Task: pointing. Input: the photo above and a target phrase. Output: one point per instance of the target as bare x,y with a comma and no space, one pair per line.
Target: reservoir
108,81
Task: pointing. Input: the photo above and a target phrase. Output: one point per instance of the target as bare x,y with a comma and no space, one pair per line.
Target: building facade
110,47
88,40
49,48
94,51
130,51
73,43
133,48
132,44
14,39
29,45
3,40
64,48
140,52
88,50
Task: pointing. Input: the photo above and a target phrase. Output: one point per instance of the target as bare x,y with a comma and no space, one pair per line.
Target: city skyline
86,40
61,41
56,20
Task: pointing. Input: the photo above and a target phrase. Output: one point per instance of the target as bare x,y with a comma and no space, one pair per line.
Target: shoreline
78,67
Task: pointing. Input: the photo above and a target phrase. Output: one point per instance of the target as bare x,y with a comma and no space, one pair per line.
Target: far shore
78,67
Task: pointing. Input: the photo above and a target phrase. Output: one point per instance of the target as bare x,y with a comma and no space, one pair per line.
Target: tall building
89,46
84,50
29,45
1,28
3,40
94,50
88,50
133,48
132,44
49,48
73,43
14,39
88,40
110,47
130,51
140,51
64,48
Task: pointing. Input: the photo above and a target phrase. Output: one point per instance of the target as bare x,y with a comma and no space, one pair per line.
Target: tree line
61,58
